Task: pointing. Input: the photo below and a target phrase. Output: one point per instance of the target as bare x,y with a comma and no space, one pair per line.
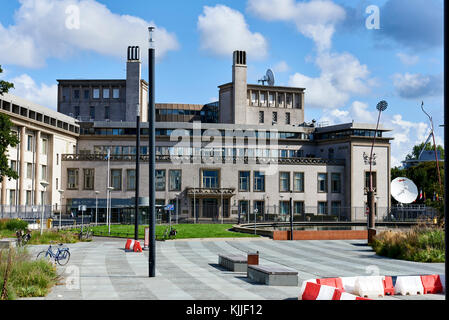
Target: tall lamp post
61,192
136,209
152,160
44,184
381,106
96,207
109,209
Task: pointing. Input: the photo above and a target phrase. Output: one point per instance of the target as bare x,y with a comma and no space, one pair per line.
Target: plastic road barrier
332,282
388,286
431,284
371,286
349,284
340,295
137,247
129,244
313,291
408,285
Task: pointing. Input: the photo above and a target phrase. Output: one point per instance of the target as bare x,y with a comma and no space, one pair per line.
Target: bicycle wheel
43,255
63,257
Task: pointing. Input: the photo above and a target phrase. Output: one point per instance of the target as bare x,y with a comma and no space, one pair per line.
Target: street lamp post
381,106
61,192
44,184
96,207
109,214
137,175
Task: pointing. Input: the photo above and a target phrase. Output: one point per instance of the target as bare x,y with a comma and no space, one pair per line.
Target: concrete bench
273,275
236,263
8,243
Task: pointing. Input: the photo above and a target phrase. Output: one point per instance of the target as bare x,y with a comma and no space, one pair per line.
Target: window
322,182
260,206
57,159
160,180
86,94
261,117
254,97
298,182
336,208
275,117
271,99
336,182
57,184
263,98
44,147
243,207
374,175
105,93
174,183
297,101
72,179
29,143
259,181
89,179
12,197
96,93
322,207
29,170
244,177
116,179
106,113
92,112
77,111
284,181
76,94
131,179
281,100
298,207
28,198
44,172
289,99
287,118
284,207
116,93
210,179
13,165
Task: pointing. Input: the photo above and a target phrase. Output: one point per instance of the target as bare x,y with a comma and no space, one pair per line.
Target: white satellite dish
268,77
404,190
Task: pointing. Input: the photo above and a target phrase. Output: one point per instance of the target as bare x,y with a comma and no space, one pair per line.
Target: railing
205,159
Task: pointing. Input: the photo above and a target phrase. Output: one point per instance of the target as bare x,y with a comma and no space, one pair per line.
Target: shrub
13,224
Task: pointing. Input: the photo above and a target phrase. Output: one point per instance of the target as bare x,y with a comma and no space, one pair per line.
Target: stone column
22,167
3,195
37,176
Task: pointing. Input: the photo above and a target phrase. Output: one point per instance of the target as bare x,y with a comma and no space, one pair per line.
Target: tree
417,150
7,138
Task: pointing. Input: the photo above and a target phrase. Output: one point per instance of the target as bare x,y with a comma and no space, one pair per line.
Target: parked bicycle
169,233
61,255
85,234
23,237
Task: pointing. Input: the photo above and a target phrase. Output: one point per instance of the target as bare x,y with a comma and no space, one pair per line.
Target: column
37,177
22,166
3,194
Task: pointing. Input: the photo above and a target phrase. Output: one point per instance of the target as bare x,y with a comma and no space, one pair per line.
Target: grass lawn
184,231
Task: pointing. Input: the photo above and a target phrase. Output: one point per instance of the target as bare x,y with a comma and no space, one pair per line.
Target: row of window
285,182
284,207
106,112
106,93
273,99
30,167
28,197
274,117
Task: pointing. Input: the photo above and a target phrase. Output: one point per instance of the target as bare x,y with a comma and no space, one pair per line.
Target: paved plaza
189,270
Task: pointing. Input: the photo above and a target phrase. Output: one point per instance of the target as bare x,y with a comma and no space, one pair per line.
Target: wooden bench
273,275
236,263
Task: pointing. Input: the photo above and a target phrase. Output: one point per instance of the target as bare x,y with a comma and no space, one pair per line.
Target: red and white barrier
129,244
137,247
371,286
408,285
314,291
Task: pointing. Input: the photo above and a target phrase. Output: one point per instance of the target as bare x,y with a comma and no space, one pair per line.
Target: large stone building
252,149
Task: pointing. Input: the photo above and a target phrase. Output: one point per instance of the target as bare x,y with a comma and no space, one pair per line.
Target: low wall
321,235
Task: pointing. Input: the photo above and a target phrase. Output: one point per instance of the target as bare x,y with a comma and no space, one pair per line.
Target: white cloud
42,94
281,66
406,59
314,19
224,30
43,29
410,86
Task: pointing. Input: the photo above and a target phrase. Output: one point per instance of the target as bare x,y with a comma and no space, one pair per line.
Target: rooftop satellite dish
268,77
404,190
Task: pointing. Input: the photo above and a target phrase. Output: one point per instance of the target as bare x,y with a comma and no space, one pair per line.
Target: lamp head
382,105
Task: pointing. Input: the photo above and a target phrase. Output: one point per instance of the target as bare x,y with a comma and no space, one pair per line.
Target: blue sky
321,45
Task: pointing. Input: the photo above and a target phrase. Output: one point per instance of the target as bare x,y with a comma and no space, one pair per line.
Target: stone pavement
189,270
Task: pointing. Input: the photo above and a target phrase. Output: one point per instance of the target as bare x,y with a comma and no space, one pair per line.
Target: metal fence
212,214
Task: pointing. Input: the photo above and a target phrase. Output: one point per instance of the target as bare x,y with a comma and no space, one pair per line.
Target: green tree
7,138
417,150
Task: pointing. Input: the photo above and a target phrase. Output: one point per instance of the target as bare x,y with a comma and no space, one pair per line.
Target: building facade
250,150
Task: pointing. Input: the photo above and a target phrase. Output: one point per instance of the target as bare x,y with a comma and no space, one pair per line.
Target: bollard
253,258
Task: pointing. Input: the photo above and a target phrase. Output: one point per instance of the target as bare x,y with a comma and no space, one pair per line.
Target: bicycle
169,233
86,235
23,238
61,256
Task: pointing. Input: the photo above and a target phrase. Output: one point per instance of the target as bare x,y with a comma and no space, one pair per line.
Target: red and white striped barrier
362,288
129,244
